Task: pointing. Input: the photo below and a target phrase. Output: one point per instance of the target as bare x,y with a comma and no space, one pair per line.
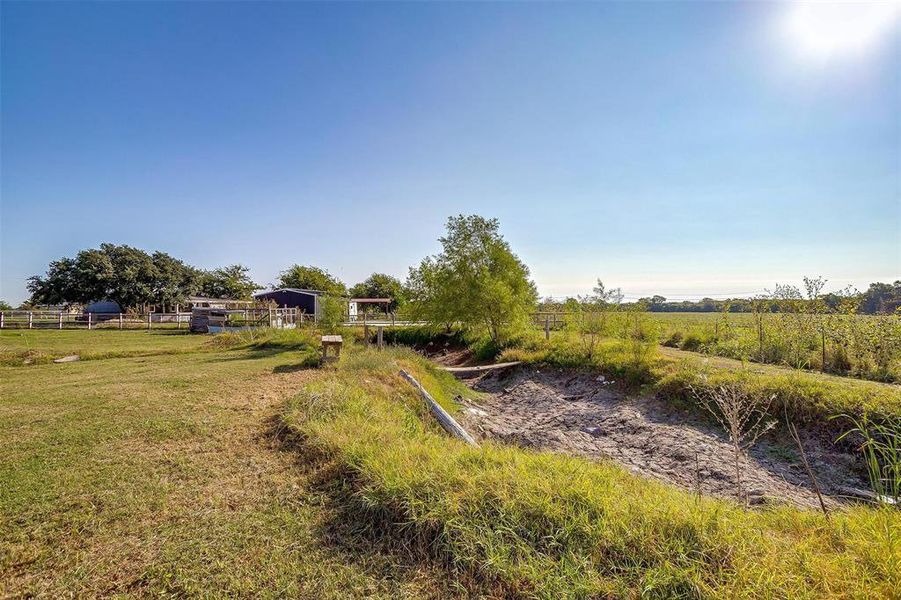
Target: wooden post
823,336
120,320
1,319
760,339
149,316
60,319
381,341
178,316
366,333
547,327
89,320
30,319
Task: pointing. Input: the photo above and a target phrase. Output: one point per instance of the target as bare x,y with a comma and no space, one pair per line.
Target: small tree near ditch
742,415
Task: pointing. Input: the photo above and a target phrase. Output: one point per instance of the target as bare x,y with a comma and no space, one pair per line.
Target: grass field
223,466
20,346
161,475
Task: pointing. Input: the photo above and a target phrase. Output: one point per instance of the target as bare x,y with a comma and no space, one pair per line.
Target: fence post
89,320
149,315
120,320
1,319
60,319
30,319
178,316
381,341
547,327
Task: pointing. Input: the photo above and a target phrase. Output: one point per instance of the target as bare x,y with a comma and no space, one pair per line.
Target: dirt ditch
583,414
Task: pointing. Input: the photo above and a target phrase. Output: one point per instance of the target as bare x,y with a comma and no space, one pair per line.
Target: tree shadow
293,368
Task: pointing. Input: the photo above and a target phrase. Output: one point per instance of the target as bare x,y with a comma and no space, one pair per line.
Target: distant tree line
879,299
475,278
133,278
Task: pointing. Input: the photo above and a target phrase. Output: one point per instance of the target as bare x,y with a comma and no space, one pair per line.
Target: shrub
674,340
692,341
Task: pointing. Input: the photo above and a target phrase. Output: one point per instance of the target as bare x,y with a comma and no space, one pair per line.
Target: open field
24,346
163,475
854,345
864,346
223,466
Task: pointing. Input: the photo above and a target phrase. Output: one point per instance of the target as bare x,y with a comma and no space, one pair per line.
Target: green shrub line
542,525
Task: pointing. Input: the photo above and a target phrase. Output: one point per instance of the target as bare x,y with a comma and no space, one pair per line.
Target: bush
674,340
692,342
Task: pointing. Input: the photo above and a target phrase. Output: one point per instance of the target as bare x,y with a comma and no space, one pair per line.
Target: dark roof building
306,301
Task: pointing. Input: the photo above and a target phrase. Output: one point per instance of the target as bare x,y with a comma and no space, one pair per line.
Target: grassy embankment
532,524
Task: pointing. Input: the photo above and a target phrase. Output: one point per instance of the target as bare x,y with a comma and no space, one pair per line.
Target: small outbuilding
305,301
357,306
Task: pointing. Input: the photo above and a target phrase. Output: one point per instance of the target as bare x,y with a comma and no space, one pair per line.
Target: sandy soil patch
584,415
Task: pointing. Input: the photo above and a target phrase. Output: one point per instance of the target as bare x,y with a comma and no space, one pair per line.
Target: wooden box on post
331,341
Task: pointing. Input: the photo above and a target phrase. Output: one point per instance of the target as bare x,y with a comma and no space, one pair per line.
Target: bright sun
824,30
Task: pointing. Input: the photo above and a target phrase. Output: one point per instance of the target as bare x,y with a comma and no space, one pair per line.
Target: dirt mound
583,414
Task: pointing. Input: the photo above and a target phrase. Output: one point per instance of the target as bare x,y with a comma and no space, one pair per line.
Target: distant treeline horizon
879,299
132,278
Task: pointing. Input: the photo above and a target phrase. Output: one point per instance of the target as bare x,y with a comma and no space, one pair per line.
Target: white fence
43,319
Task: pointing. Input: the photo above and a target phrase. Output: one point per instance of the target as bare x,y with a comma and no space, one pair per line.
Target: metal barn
305,301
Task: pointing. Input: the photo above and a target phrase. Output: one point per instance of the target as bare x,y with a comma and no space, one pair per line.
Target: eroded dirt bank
581,414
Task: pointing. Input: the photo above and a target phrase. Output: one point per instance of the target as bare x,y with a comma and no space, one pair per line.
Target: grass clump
540,525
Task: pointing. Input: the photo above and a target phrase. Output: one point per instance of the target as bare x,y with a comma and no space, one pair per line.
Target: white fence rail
43,319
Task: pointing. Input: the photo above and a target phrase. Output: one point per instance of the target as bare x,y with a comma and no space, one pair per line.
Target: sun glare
823,30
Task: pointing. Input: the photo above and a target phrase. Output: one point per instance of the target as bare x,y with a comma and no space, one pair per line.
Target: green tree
126,275
475,280
380,285
172,281
881,298
311,278
5,305
231,282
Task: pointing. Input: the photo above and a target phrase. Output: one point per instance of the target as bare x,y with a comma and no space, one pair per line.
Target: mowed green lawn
20,346
164,474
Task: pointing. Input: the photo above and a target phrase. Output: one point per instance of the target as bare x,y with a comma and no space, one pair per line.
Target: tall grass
864,346
881,447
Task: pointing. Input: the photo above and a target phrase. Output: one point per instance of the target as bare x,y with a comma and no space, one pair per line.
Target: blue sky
686,149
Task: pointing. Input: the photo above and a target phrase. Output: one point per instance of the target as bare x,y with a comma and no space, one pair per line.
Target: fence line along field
864,346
